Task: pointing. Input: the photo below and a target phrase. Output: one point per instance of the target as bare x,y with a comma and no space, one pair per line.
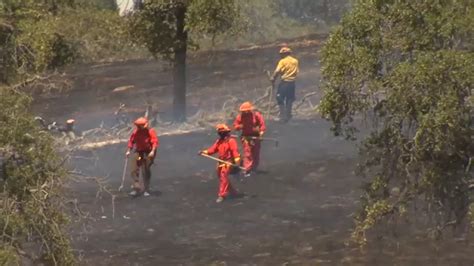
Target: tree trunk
179,75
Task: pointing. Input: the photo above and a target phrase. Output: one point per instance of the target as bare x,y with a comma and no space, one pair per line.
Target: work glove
260,134
272,80
127,154
151,154
203,152
237,161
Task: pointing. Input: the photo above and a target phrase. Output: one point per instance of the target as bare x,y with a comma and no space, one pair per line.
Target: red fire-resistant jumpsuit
228,151
144,141
251,124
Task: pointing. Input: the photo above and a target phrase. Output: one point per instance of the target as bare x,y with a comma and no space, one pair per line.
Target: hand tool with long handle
270,96
260,138
221,161
123,174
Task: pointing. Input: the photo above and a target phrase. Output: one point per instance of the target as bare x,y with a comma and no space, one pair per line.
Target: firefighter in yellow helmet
287,69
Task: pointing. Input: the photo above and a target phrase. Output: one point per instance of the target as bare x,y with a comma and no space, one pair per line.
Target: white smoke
126,6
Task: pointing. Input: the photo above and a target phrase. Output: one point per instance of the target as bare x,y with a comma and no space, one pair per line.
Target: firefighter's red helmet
222,128
142,121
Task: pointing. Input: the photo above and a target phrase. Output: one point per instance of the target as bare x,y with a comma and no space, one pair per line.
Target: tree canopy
36,36
32,216
163,26
406,68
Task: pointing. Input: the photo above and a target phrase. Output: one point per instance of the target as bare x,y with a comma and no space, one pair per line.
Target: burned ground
298,211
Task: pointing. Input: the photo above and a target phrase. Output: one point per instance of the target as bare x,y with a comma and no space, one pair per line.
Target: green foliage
408,68
264,22
8,256
98,35
104,4
214,17
164,27
32,216
329,11
154,25
37,36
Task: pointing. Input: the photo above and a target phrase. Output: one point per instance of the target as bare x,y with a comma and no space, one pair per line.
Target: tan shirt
288,68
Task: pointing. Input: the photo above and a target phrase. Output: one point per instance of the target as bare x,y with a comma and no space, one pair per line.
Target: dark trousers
141,160
285,98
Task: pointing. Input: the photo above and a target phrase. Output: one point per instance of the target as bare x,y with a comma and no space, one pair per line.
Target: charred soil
296,211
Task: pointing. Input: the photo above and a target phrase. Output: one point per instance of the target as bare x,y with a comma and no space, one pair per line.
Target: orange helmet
285,50
222,128
246,106
142,121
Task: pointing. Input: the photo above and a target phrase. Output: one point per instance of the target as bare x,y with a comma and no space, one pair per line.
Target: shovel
123,175
277,143
270,98
222,161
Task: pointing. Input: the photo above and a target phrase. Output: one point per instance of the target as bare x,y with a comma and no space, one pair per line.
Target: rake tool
123,174
276,141
222,161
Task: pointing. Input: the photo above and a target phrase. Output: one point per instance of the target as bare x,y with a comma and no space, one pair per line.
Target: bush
36,37
32,217
408,68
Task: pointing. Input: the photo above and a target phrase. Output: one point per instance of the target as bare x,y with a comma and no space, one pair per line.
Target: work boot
282,116
146,194
219,199
133,193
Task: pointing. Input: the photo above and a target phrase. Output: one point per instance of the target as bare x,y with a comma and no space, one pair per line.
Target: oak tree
407,68
164,27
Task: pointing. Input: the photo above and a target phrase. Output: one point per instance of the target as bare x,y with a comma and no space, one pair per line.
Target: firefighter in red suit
227,149
145,143
252,125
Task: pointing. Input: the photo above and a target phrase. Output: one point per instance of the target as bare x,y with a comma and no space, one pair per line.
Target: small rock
322,169
259,255
123,88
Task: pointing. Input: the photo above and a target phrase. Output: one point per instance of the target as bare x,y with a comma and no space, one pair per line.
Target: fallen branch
303,100
264,97
101,144
102,185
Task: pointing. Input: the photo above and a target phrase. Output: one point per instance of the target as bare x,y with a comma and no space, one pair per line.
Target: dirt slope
298,212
